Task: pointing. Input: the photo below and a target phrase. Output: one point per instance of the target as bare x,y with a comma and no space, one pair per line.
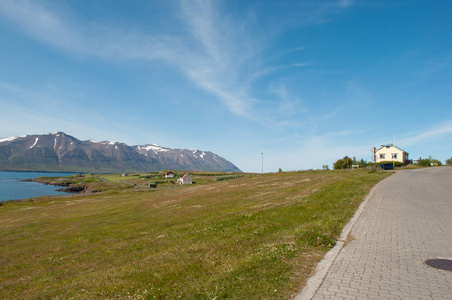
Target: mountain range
60,152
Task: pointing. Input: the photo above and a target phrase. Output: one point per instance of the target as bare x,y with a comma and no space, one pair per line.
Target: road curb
314,282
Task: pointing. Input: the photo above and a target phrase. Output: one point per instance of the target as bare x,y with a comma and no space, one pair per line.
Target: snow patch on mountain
153,147
36,141
9,139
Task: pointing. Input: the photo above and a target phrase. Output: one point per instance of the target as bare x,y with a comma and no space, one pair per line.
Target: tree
344,163
436,162
430,161
449,161
363,163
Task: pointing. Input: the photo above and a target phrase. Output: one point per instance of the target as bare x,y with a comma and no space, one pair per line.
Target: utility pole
393,155
262,153
374,156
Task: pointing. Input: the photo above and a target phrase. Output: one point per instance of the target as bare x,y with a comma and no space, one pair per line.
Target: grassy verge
256,237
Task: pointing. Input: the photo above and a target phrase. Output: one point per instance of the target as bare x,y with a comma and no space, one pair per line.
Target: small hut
186,179
169,174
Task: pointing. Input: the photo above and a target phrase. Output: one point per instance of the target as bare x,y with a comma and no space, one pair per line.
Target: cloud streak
435,133
212,61
222,66
219,55
65,32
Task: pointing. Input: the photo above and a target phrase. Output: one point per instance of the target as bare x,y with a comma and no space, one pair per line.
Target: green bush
430,161
147,177
347,163
344,163
227,177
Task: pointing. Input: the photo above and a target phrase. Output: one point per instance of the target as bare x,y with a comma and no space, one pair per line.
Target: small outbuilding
169,174
186,179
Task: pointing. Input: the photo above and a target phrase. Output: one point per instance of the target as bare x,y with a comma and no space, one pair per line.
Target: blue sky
304,82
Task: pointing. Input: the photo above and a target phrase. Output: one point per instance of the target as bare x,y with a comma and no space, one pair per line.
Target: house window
394,155
382,156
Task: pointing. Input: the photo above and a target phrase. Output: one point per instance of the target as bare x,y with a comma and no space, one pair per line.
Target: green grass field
256,237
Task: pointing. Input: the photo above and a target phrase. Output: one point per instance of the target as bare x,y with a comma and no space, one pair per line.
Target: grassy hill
255,237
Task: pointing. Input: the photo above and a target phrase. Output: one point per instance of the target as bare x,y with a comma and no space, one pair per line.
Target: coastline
20,185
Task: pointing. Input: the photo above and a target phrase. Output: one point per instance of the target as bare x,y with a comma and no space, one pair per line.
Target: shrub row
227,177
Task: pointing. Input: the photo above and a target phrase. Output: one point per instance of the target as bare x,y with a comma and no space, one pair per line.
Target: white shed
186,179
169,174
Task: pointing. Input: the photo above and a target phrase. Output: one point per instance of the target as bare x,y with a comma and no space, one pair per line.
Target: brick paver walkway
406,221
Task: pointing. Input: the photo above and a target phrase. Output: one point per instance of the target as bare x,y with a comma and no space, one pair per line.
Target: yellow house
391,153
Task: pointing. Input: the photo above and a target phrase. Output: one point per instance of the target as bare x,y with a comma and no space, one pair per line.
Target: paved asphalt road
407,220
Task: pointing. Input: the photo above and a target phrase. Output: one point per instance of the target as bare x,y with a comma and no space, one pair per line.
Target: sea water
13,185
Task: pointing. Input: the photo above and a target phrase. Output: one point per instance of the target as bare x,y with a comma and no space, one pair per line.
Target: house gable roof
391,145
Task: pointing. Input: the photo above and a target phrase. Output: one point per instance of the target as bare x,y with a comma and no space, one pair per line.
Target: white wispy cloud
41,110
288,104
47,24
434,66
219,55
222,65
40,23
211,57
345,3
270,70
321,11
436,133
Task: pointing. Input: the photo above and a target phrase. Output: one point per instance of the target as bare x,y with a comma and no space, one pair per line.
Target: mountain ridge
59,151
